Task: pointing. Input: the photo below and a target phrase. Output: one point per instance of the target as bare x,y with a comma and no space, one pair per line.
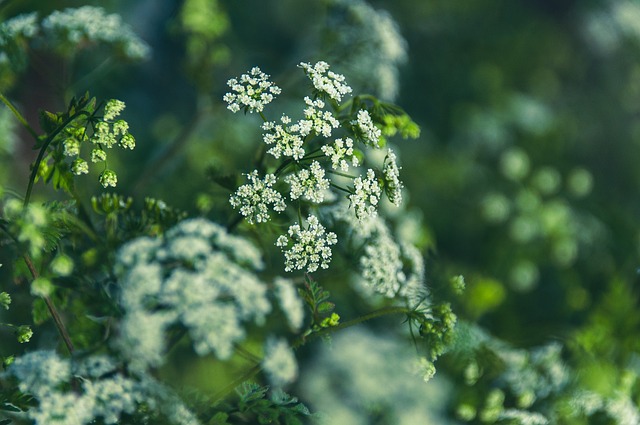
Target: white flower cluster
254,198
251,93
91,24
290,302
309,184
202,277
325,81
287,140
366,195
319,121
279,362
307,248
370,41
393,270
340,153
366,129
392,184
24,25
312,176
101,392
381,377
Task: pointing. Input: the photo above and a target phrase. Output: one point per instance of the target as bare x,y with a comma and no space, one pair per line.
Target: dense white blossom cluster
325,81
286,140
392,184
290,302
254,198
319,121
366,129
91,24
251,93
100,391
307,248
341,153
366,195
25,26
363,373
279,362
309,184
370,43
202,277
392,269
314,163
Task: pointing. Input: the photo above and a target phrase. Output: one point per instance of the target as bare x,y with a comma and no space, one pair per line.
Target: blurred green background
525,179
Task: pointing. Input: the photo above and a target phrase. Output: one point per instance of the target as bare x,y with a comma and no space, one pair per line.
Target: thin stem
339,173
52,308
243,352
340,188
239,380
18,115
373,315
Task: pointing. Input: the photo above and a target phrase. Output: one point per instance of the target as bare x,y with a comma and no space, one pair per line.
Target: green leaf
326,307
219,418
48,121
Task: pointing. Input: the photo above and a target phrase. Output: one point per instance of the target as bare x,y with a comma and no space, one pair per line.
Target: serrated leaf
326,307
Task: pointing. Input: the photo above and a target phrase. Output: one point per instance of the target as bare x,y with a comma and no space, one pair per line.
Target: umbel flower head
325,81
254,198
251,93
307,248
107,133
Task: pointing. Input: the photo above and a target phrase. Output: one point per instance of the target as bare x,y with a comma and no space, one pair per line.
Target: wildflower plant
305,245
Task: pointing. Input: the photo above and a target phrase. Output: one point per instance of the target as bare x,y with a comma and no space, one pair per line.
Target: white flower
392,184
112,109
366,195
279,362
71,147
141,338
286,139
311,246
308,184
254,199
39,371
326,81
382,265
319,121
79,166
366,129
24,25
108,178
92,24
197,276
290,302
251,93
339,152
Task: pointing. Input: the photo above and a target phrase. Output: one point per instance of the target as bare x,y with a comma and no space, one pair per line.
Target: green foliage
317,300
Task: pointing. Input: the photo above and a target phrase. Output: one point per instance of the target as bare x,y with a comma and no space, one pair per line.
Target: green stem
340,188
52,308
373,315
43,150
339,173
18,115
